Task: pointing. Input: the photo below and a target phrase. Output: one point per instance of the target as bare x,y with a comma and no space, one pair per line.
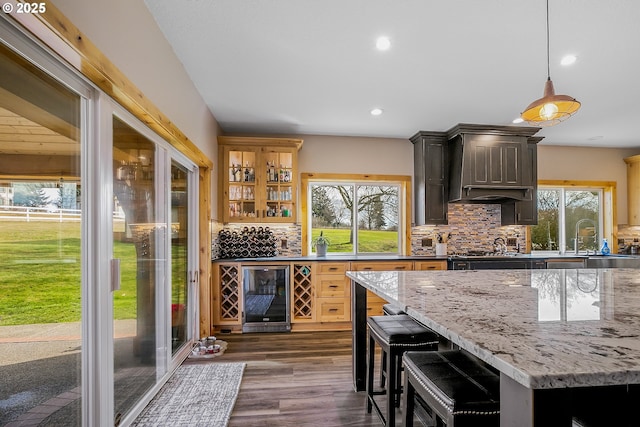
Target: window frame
608,218
404,220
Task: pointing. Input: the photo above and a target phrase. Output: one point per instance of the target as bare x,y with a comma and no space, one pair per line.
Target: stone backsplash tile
628,237
472,227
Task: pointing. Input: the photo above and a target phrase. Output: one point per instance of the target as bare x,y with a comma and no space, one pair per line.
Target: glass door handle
115,274
193,277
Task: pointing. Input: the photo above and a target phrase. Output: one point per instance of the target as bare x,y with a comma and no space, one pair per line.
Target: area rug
196,395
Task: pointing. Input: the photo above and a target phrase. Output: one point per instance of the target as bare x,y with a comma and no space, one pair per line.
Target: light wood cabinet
226,294
382,266
430,265
259,179
320,292
374,302
633,189
333,292
303,293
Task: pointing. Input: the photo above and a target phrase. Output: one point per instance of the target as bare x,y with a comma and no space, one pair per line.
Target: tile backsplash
628,236
472,227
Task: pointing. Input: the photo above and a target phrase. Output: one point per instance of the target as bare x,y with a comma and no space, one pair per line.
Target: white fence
24,213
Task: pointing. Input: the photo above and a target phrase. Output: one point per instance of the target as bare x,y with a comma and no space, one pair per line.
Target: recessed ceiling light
383,43
568,60
518,120
376,112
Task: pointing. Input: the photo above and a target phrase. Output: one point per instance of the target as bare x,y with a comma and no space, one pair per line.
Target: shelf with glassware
259,181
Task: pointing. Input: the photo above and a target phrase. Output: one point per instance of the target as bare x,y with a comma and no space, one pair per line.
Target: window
570,219
358,216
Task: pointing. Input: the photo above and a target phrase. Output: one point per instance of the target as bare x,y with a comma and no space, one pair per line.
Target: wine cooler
265,299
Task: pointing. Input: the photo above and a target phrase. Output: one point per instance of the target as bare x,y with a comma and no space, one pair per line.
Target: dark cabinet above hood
474,163
491,164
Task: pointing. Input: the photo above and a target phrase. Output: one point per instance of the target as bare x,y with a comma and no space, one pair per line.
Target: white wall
127,34
342,154
335,154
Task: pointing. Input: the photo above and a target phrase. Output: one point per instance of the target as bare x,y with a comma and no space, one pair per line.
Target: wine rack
248,243
229,292
303,292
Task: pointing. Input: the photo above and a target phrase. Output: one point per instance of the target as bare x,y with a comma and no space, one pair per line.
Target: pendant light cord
548,60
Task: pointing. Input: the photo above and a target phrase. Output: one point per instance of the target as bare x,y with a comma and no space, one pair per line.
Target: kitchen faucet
577,238
499,245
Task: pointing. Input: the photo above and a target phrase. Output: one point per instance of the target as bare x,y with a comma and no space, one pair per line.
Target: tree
545,235
31,194
68,196
322,211
372,214
378,206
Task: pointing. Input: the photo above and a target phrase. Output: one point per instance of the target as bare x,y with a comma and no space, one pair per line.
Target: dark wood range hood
473,163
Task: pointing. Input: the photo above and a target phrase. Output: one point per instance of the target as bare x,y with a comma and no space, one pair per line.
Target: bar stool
395,335
454,389
389,310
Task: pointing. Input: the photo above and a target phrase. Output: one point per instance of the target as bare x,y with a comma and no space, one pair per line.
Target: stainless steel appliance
265,299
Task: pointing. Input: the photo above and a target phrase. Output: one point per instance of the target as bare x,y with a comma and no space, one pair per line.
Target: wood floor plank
295,379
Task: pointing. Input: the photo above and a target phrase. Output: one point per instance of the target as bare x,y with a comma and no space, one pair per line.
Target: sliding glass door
98,237
139,236
42,135
153,257
180,253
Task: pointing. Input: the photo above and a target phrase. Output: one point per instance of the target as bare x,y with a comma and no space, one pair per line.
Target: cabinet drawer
331,268
373,298
430,265
374,308
334,309
333,286
382,266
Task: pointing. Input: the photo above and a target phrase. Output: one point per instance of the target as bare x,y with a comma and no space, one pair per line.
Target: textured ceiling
311,67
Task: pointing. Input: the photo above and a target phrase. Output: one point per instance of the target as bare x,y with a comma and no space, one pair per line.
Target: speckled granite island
550,333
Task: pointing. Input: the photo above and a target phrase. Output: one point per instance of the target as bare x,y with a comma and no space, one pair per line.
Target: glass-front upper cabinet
259,179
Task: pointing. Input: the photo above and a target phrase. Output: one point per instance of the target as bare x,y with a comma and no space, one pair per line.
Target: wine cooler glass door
266,299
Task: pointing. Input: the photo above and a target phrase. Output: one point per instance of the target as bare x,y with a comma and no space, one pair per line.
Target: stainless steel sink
613,261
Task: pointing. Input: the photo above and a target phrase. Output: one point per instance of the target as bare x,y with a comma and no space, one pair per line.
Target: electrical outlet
283,243
427,242
512,241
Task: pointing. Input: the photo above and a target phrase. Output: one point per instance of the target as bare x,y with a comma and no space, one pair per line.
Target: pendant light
551,109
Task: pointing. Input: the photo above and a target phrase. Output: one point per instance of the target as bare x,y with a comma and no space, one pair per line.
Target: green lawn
369,240
40,274
40,270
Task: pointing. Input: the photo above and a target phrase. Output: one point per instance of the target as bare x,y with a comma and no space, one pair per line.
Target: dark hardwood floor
296,379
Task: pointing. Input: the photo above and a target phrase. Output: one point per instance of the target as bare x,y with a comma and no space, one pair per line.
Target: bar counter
546,331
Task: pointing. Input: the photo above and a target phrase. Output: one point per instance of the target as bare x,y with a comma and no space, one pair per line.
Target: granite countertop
341,258
383,257
542,328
